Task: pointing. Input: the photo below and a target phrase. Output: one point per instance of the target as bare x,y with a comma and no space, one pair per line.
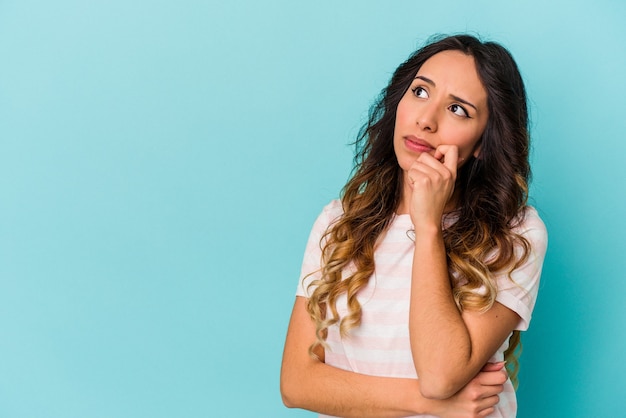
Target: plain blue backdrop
161,164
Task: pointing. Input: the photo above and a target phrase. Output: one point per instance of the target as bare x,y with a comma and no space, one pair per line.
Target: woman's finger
489,391
493,367
489,402
492,378
449,156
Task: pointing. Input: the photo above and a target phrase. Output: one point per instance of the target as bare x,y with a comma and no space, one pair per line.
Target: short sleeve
311,261
519,291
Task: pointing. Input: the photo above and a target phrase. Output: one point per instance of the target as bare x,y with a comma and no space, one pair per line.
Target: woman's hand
479,397
432,179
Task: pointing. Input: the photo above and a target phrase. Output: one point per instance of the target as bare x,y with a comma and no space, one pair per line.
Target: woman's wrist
427,230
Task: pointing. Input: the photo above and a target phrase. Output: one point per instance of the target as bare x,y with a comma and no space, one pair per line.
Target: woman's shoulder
330,213
532,226
333,210
529,218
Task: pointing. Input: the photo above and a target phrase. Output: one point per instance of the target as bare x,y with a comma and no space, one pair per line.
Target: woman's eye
458,110
420,92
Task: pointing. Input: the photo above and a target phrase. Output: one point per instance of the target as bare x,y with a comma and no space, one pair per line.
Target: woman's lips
416,144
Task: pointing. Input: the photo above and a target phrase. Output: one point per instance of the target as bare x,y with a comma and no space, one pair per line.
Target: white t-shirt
380,346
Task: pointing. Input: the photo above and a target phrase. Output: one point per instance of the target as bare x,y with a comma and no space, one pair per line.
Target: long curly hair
493,190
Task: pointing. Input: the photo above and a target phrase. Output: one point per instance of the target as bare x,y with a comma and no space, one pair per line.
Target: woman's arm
449,347
310,384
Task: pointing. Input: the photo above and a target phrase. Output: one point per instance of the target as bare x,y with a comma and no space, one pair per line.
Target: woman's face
445,105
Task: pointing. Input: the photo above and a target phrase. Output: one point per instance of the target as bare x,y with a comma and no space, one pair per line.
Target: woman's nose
427,118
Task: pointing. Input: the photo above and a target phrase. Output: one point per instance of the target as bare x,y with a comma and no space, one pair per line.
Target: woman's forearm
448,347
325,389
440,342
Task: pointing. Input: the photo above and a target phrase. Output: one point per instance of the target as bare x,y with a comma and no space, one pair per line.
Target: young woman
429,265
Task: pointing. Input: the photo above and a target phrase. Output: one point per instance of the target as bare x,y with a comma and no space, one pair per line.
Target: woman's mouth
417,145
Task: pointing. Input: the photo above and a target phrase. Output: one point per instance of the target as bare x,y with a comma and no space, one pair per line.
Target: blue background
161,164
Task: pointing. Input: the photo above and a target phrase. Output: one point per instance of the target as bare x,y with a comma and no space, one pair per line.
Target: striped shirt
380,346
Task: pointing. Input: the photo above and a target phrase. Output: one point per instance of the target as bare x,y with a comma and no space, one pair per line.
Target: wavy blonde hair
492,195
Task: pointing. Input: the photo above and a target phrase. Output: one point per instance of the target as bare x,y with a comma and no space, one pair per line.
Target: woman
430,263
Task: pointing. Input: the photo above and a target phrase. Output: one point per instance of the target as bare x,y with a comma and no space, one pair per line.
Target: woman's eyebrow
432,83
458,99
427,80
